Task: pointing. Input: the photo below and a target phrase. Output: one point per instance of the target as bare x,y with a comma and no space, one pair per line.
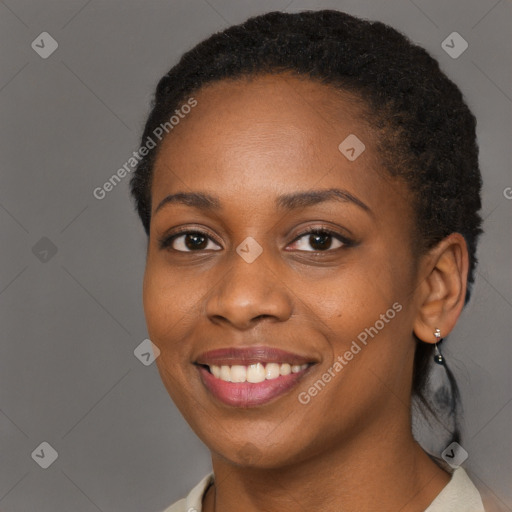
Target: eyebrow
312,197
292,201
194,199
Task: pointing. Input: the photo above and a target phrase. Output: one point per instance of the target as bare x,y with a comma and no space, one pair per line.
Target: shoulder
179,506
194,501
459,495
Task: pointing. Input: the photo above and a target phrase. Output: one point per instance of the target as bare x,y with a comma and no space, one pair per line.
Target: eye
319,240
189,241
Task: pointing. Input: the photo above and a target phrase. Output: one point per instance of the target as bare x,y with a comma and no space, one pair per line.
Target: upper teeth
254,373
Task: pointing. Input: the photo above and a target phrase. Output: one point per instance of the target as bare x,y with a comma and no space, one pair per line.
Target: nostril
262,317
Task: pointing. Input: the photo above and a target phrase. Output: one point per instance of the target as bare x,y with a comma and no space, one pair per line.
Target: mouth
251,377
254,373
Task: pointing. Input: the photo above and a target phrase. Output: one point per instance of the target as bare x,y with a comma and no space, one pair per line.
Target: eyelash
166,242
325,231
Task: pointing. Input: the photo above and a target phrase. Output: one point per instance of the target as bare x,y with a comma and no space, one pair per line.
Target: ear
442,290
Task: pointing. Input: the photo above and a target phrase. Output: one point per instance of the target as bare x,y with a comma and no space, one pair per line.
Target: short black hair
426,134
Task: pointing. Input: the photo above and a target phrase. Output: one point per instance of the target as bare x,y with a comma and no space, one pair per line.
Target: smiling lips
249,377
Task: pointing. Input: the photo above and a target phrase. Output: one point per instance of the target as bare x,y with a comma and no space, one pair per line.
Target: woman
312,213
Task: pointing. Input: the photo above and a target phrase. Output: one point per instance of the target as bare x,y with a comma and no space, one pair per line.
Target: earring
438,357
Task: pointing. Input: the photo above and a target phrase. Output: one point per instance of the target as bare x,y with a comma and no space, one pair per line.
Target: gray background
70,323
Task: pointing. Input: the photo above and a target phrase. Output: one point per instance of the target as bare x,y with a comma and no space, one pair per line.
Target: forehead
278,95
267,103
260,136
261,113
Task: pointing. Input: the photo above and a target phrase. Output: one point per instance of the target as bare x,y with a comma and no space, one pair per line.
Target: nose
247,294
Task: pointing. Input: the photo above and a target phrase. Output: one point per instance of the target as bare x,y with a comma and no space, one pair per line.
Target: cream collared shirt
459,495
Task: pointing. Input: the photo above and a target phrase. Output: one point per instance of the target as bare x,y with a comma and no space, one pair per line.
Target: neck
378,470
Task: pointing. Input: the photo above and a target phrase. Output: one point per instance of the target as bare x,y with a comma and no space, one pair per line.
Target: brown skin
350,448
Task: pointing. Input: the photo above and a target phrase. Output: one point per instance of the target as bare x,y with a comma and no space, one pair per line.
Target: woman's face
235,287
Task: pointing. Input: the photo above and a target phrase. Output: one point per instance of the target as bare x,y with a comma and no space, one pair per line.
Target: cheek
354,297
169,311
362,313
169,301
